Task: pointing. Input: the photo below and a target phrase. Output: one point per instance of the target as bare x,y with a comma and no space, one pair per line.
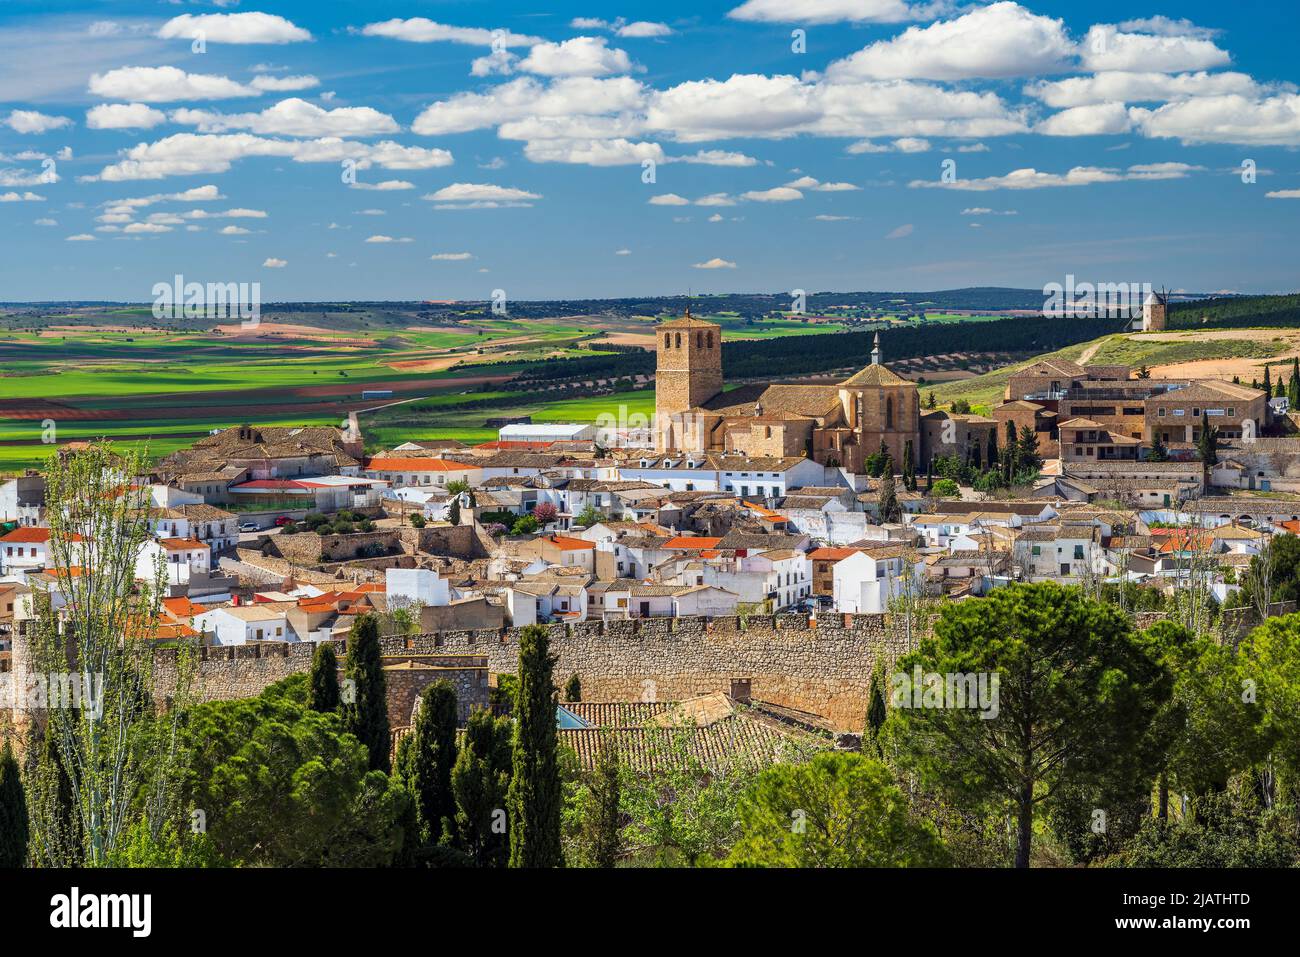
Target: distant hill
1235,312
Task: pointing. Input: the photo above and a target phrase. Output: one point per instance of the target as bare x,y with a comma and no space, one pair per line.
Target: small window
709,340
677,340
667,341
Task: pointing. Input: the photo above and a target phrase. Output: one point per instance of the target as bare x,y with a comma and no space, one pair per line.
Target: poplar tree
535,799
14,829
324,679
365,711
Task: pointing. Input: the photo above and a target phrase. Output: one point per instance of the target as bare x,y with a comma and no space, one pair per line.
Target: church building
834,424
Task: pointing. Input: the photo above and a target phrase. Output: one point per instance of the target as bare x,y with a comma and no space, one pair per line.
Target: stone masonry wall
824,669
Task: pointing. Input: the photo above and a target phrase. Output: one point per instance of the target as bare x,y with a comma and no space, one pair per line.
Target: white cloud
904,144
905,230
165,84
1165,27
197,153
45,221
985,211
451,257
528,98
386,186
1000,40
480,193
423,30
233,28
293,117
824,11
1126,87
593,152
716,199
778,194
641,29
233,231
81,238
1284,194
1107,48
24,197
273,263
30,121
1096,119
1271,121
580,56
828,218
380,238
622,252
715,263
283,84
1078,176
500,62
123,116
715,158
134,228
669,199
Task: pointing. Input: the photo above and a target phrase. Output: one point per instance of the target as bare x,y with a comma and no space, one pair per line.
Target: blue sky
437,150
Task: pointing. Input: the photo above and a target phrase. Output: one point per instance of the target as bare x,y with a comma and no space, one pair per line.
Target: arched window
889,413
677,340
699,340
709,339
668,340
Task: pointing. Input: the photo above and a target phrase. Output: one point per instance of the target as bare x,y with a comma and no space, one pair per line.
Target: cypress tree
14,829
535,799
1279,390
325,679
453,515
573,688
1268,382
1159,452
1208,444
480,781
606,827
1009,453
993,447
909,471
64,821
432,761
875,710
887,504
366,714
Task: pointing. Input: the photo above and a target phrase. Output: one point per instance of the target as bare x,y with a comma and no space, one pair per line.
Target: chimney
740,690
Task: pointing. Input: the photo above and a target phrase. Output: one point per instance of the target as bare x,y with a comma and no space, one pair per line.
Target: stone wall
824,669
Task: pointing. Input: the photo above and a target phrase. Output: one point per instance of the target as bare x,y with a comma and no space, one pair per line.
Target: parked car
248,527
282,521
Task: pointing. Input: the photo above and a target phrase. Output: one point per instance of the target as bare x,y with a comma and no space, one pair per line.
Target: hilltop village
809,502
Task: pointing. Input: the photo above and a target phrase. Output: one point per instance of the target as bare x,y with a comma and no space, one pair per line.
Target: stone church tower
1155,313
688,372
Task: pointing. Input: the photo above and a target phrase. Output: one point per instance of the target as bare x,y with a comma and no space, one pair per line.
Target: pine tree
875,710
930,401
909,471
1027,449
14,828
573,688
1208,443
887,505
480,781
434,757
535,799
365,712
325,679
605,827
1159,452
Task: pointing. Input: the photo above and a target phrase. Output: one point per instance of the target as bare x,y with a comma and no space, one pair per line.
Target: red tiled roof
27,535
832,554
181,544
567,544
419,465
691,542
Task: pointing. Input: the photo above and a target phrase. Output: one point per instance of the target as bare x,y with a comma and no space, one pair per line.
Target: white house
865,582
421,471
422,586
180,556
239,624
22,500
761,478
